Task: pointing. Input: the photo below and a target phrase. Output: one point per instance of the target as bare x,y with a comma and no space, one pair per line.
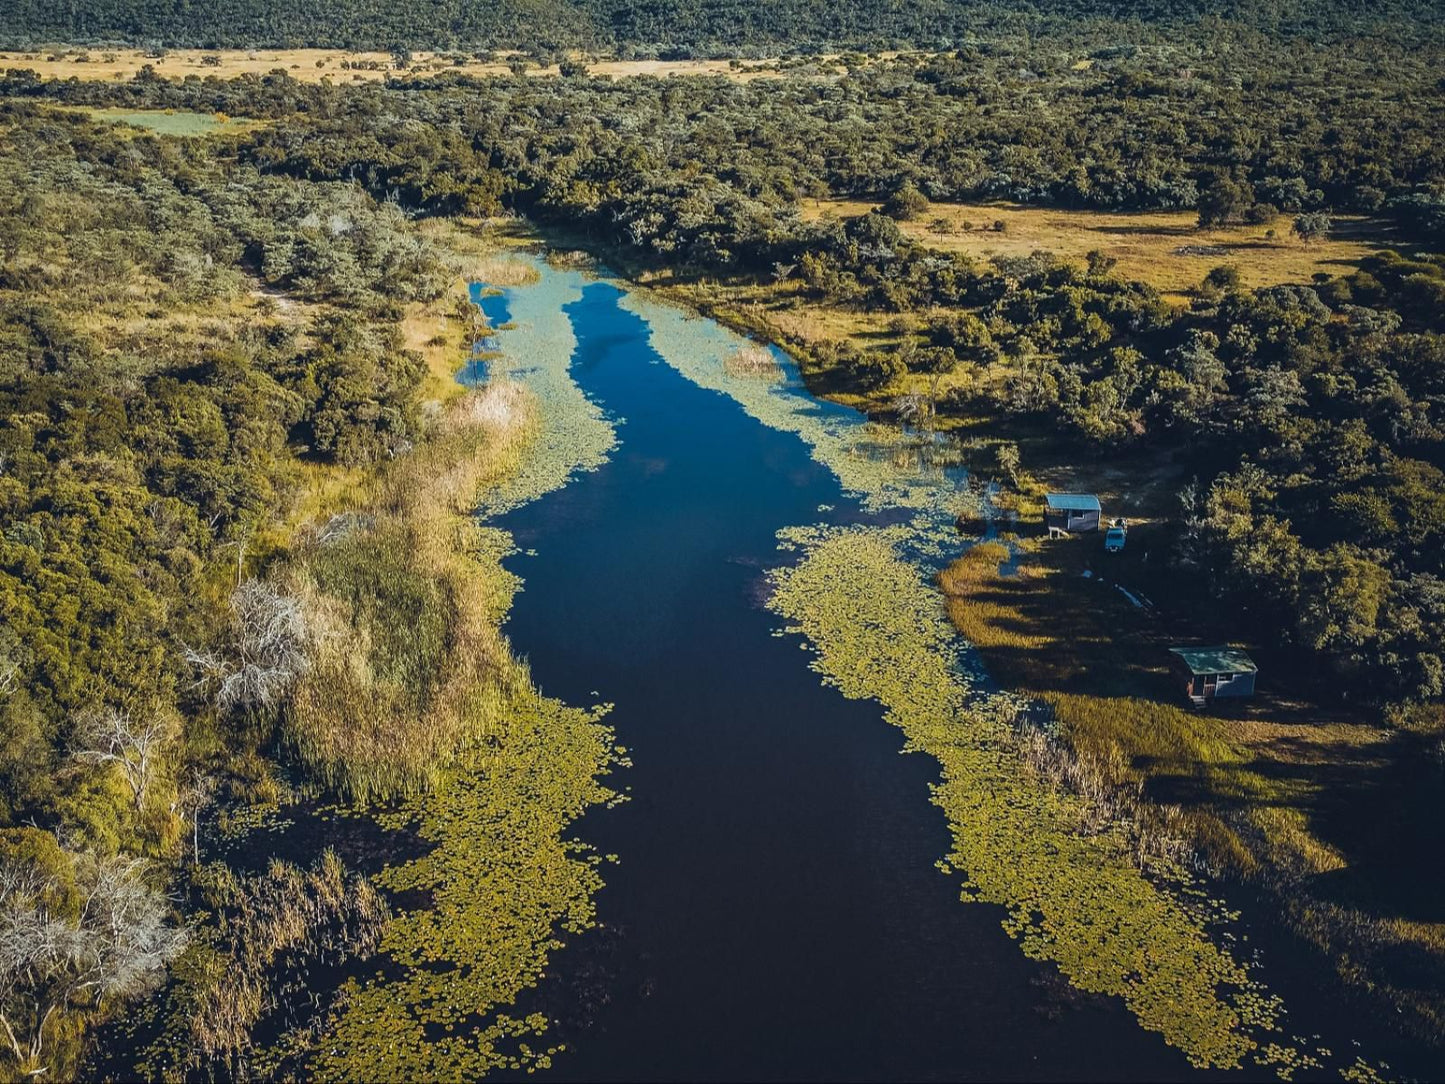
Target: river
776,910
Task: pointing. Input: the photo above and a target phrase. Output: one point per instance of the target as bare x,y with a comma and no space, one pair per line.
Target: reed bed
409,626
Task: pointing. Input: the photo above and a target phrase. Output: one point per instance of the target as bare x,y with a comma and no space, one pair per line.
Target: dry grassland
1165,249
313,65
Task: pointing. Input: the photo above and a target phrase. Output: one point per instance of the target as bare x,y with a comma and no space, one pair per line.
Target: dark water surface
776,913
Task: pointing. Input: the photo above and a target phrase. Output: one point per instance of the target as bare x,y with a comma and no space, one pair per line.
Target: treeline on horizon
680,29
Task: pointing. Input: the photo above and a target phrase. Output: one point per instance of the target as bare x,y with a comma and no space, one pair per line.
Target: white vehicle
1115,535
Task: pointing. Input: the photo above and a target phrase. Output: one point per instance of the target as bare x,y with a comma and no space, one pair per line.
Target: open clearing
313,65
1165,249
173,121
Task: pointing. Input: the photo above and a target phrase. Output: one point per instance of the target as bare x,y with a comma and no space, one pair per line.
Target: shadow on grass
1104,664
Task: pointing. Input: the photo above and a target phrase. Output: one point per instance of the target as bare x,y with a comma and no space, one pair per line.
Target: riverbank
454,780
419,697
1293,795
1277,792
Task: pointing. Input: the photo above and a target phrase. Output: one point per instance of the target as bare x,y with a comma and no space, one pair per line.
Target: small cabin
1070,513
1212,673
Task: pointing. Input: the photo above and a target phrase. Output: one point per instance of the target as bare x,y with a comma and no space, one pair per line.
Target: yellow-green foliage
879,632
502,881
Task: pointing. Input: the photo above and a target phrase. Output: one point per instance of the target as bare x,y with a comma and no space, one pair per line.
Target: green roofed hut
1212,673
1070,513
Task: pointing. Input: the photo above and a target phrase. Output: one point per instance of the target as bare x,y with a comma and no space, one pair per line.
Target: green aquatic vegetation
501,880
536,350
878,631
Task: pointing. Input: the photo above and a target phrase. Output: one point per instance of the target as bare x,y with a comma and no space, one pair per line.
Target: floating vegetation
501,881
878,631
536,350
886,467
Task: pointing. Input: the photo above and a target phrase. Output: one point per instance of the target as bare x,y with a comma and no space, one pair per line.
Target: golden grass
442,330
432,329
1154,247
483,249
314,65
410,626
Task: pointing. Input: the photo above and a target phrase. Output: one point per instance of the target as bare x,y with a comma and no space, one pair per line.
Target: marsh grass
269,929
755,361
410,624
174,122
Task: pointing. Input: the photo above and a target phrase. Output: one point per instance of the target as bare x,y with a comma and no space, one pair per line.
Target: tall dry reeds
753,360
411,660
270,928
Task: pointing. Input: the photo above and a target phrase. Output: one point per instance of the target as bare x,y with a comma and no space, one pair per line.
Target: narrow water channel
776,913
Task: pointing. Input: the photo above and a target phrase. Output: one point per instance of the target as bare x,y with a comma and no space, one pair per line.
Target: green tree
1224,202
906,204
1313,226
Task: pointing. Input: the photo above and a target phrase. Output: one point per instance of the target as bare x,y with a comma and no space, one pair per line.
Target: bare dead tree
912,409
133,744
124,922
35,945
269,638
11,654
98,934
198,793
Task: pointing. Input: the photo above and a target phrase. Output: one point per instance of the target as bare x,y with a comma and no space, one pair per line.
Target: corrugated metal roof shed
1216,660
1072,502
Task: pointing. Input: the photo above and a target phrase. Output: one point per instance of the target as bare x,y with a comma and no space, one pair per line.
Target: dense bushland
692,27
184,343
